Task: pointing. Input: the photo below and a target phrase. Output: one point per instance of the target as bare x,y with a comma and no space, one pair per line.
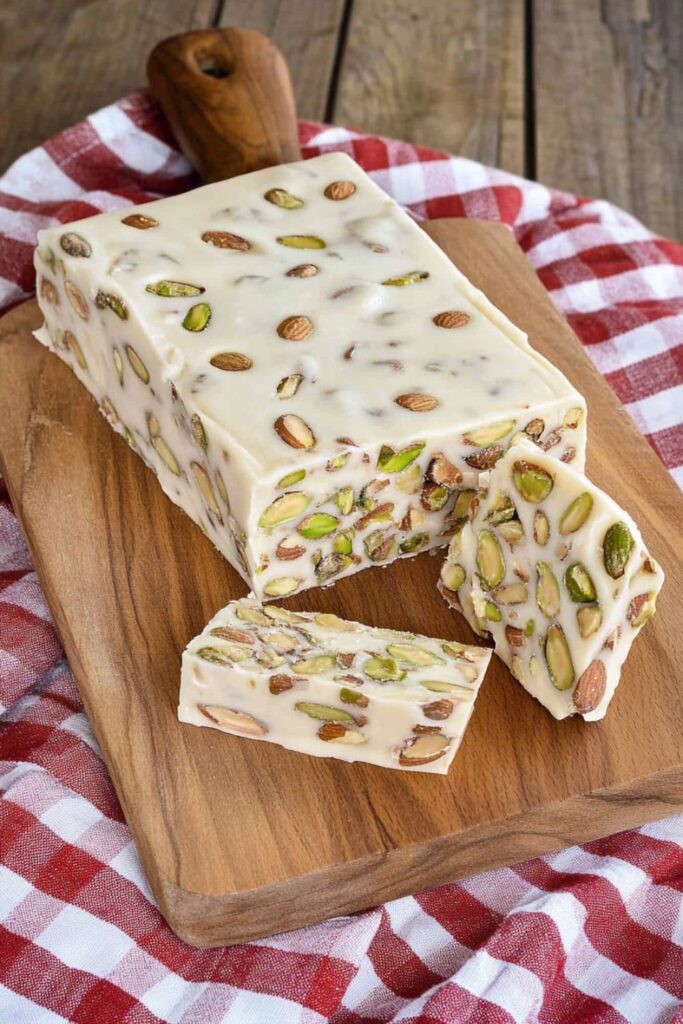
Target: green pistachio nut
579,584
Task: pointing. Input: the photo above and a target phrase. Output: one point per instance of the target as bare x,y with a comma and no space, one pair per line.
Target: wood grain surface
240,839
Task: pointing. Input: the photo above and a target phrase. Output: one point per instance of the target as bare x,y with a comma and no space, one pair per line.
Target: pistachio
129,438
576,513
288,506
315,665
285,200
390,461
547,591
203,481
239,636
413,518
490,562
75,245
541,527
337,462
579,583
281,587
303,270
492,612
280,683
160,446
411,654
335,732
235,721
109,410
558,658
589,619
290,479
420,750
441,471
514,636
328,620
417,402
301,242
254,616
342,543
502,510
227,654
289,549
380,545
226,240
590,688
411,278
343,499
451,318
325,712
77,300
383,670
533,482
294,432
331,565
412,544
289,386
137,364
317,525
640,609
366,498
463,504
338,190
197,317
510,593
434,497
140,221
452,575
377,514
617,547
48,292
72,342
512,532
107,300
483,437
348,696
174,289
572,419
486,458
535,428
295,328
283,615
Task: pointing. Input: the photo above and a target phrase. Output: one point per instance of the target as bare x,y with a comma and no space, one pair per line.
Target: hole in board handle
213,66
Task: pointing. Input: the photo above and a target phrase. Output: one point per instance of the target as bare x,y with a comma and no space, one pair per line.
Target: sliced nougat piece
307,373
318,684
558,574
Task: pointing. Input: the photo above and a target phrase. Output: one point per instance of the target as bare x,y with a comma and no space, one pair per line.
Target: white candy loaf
308,375
558,574
315,683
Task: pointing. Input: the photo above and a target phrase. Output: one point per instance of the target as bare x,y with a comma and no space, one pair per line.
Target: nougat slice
558,574
321,685
308,375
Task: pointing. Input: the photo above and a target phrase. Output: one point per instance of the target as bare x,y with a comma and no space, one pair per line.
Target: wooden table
585,95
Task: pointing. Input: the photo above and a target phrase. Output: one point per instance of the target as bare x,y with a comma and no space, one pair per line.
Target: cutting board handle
228,97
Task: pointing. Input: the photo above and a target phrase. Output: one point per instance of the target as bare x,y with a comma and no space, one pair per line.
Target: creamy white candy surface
558,574
308,375
316,683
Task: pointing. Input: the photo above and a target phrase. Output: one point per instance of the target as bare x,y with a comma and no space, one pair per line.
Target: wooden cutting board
242,839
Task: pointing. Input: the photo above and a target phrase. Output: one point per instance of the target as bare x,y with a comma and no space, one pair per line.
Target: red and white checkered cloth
592,934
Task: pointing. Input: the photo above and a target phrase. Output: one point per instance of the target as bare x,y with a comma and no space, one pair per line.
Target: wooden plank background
586,95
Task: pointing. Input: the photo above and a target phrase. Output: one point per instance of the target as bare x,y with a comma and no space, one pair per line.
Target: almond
417,402
226,240
442,471
423,749
294,432
340,190
590,688
295,328
303,270
486,458
514,636
234,361
451,318
234,721
140,221
279,683
228,633
289,549
438,710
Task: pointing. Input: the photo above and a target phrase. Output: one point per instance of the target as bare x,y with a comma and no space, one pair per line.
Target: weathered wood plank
448,74
306,31
61,59
608,80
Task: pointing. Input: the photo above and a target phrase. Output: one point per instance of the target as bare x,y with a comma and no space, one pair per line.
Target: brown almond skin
286,554
339,190
331,731
590,688
426,730
438,710
303,270
486,458
636,606
442,471
346,658
228,633
295,328
514,636
140,221
48,291
451,318
226,240
376,513
417,402
235,361
414,762
286,435
279,683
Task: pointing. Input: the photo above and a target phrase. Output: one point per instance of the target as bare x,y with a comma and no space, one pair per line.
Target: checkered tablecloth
592,934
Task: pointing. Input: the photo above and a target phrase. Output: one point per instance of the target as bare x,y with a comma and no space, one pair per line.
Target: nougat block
558,575
308,375
316,683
